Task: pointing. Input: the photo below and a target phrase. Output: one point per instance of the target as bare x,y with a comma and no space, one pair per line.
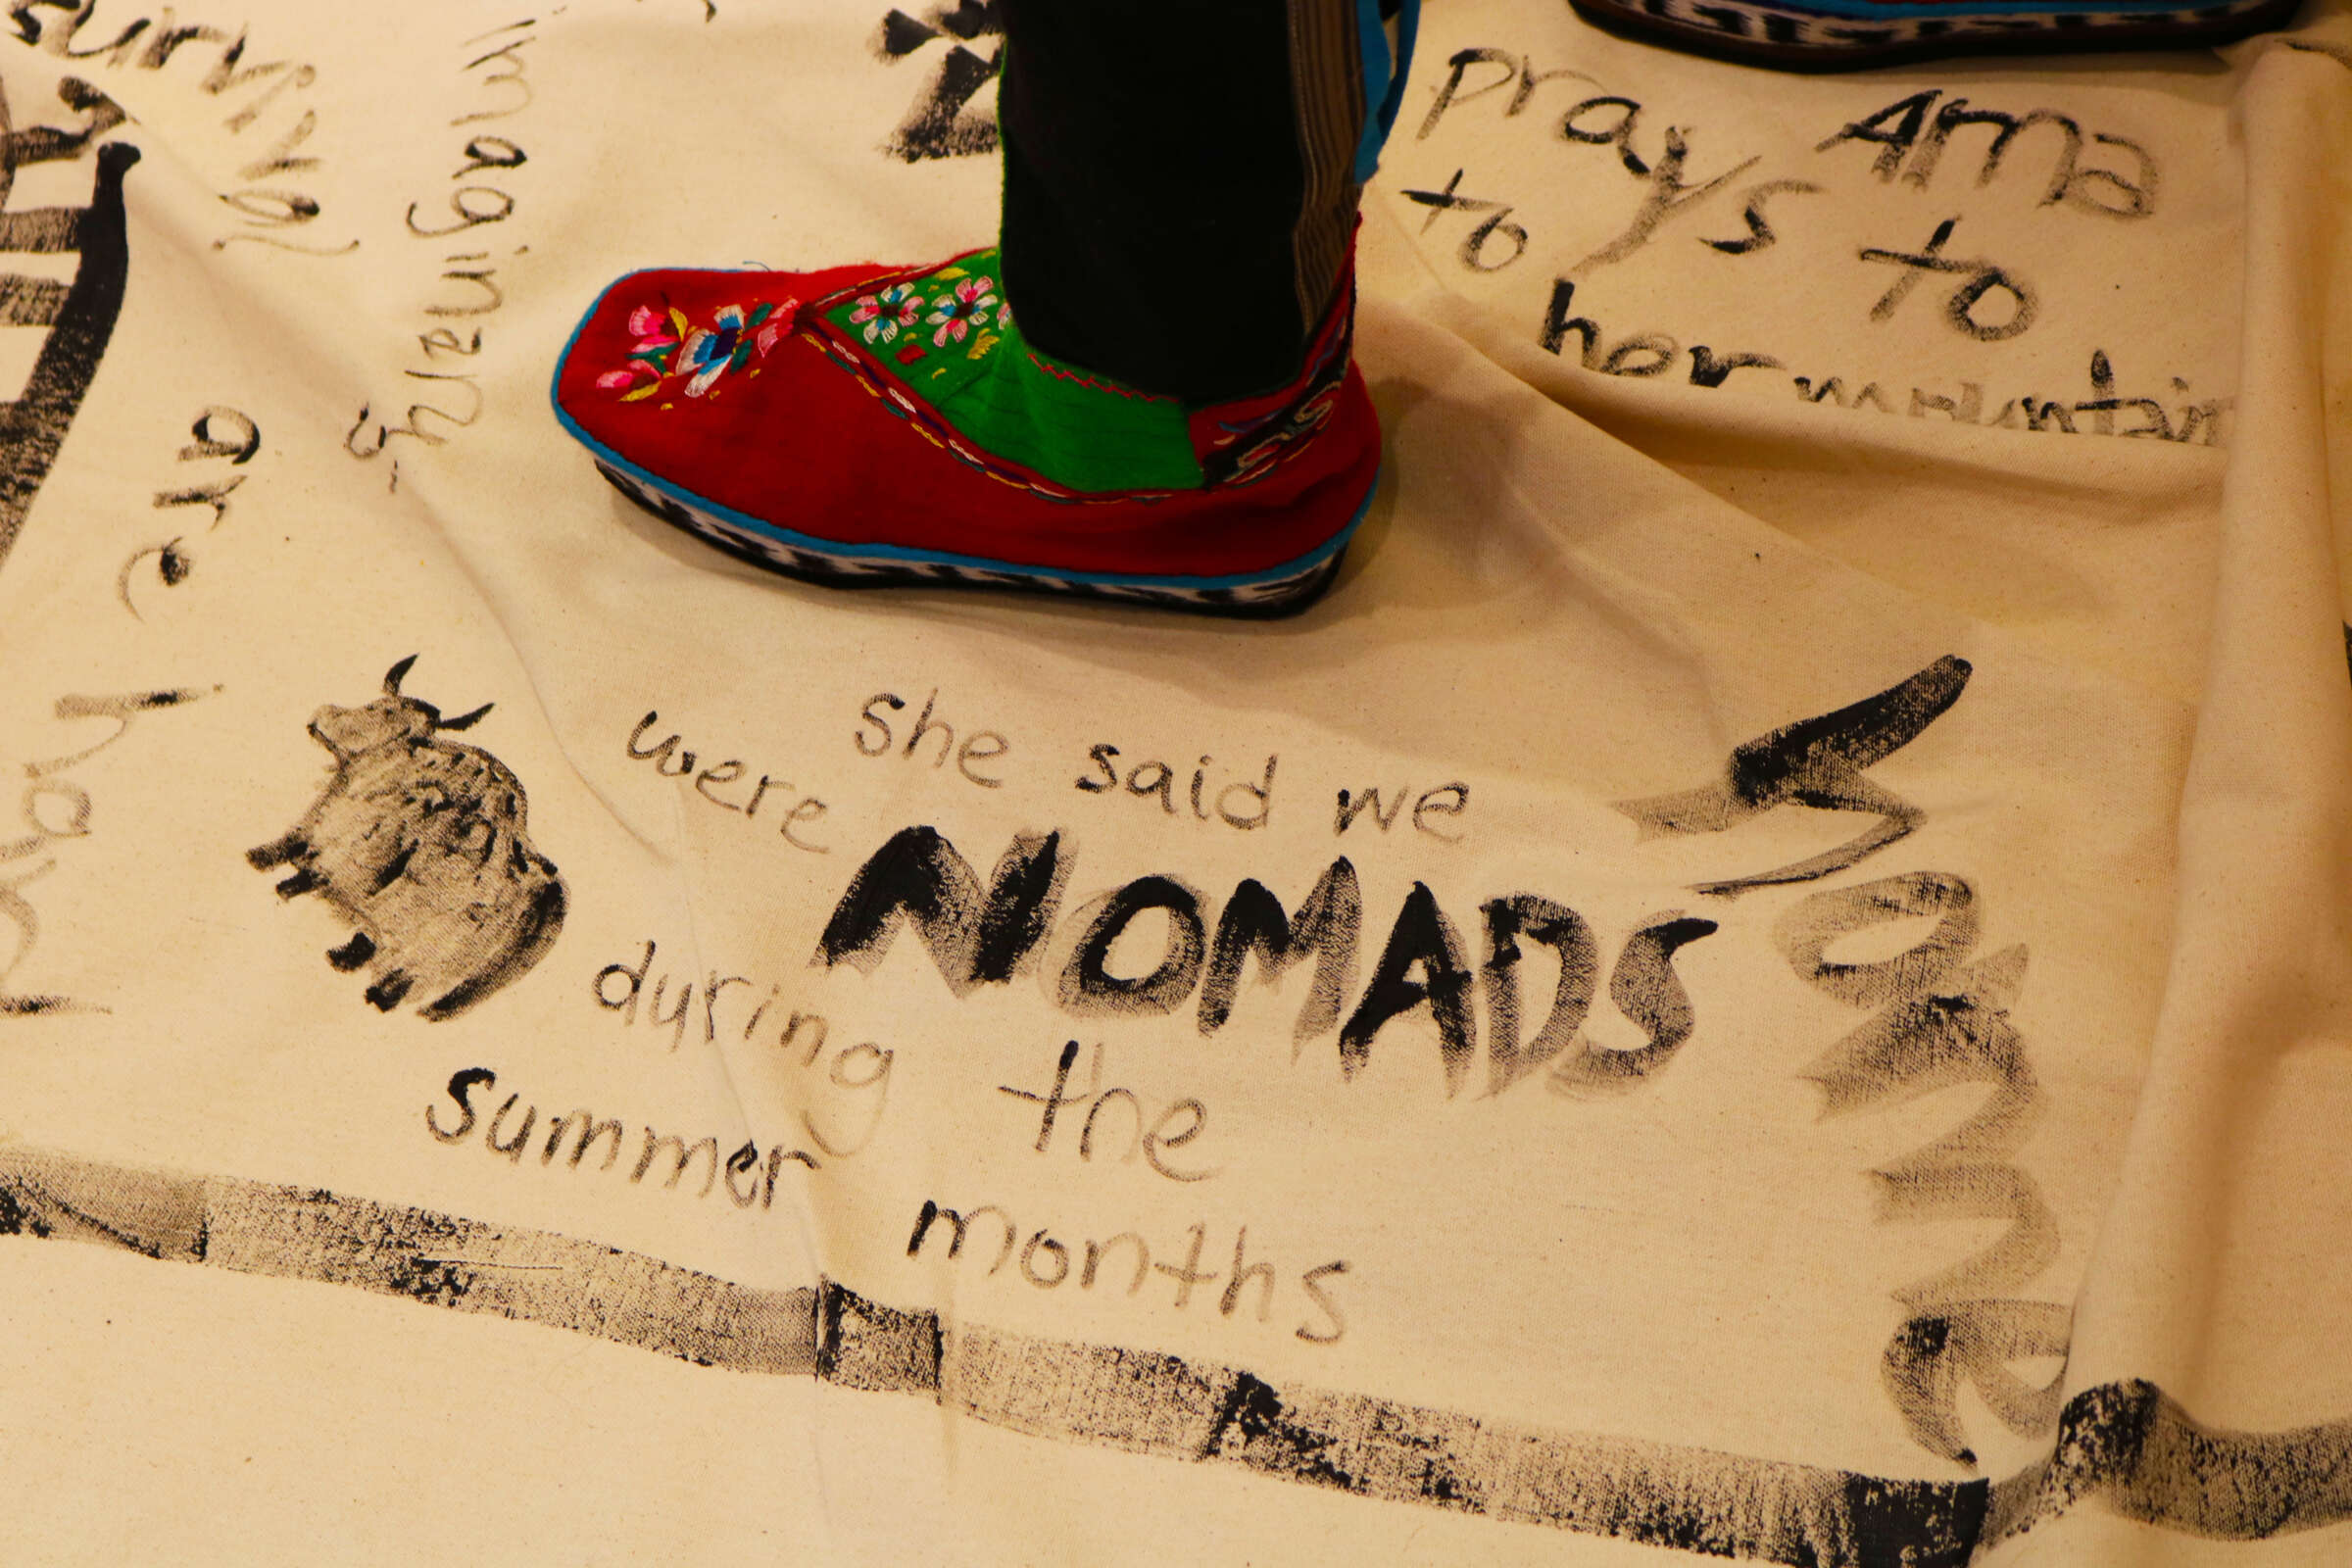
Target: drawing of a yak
421,844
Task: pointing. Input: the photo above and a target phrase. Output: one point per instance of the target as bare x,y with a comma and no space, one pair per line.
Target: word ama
421,842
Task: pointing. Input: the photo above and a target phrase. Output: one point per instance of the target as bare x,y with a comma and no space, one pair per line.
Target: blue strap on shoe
1385,73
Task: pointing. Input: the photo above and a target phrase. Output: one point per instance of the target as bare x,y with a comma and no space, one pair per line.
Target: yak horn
393,676
464,720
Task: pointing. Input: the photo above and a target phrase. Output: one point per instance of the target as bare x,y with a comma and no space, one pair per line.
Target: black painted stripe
2125,1447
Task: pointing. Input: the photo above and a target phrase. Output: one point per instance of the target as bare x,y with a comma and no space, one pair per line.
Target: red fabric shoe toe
777,413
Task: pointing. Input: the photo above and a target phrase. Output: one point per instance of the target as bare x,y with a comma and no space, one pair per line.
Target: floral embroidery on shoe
987,334
669,346
710,350
883,314
970,303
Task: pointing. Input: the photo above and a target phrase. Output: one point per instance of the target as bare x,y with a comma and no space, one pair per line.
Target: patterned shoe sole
1788,38
1286,592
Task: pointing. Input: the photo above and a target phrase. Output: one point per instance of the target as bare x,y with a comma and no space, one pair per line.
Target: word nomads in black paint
1196,953
475,200
57,810
979,935
422,844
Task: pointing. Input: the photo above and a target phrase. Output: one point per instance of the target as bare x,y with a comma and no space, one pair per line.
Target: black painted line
531,1276
80,322
2122,1447
41,229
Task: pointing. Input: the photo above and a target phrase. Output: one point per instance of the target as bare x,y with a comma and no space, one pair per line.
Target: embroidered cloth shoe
873,426
1144,393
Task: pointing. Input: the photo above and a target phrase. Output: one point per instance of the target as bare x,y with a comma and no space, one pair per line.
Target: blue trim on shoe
2023,10
1384,78
907,555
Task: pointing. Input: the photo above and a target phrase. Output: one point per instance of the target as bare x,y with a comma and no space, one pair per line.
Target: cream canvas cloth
1822,1034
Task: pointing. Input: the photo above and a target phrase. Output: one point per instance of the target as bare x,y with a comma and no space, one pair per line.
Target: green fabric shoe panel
951,339
934,333
1074,428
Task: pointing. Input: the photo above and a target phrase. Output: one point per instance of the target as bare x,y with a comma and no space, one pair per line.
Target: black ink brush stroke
940,123
976,936
80,318
1817,762
2122,1447
1945,1021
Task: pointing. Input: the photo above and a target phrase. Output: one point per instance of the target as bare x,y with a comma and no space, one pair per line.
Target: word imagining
751,1181
1044,1263
498,71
